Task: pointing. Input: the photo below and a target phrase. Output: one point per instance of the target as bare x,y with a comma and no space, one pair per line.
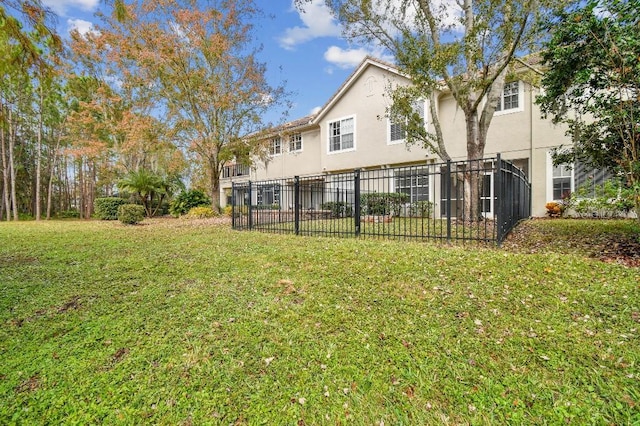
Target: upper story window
511,99
398,130
342,135
276,146
295,142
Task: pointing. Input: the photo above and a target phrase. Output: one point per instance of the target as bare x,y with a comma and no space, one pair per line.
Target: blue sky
305,49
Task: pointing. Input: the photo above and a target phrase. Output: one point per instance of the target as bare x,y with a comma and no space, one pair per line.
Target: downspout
531,127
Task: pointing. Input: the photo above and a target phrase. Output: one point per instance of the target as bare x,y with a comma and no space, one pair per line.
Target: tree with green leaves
30,54
593,85
198,63
19,17
465,47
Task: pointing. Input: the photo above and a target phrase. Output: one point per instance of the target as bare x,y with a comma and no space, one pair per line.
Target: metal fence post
296,203
356,190
233,205
447,183
249,208
501,202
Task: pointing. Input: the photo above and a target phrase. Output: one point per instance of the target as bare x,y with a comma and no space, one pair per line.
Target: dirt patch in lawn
608,244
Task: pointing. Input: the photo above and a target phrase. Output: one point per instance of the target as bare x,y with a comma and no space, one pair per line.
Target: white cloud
318,22
447,13
345,58
350,58
81,25
60,7
316,110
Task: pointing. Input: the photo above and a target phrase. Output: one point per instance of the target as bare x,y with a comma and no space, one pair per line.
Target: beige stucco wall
366,102
509,133
289,164
518,135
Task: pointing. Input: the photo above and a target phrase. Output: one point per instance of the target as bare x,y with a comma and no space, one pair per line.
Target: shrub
422,209
131,214
267,207
71,214
554,209
160,208
239,210
201,213
338,208
610,199
106,208
383,203
188,200
25,216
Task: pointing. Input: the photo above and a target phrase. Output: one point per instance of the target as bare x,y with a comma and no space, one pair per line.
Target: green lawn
173,323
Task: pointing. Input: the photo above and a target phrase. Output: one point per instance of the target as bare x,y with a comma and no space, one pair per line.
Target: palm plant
146,185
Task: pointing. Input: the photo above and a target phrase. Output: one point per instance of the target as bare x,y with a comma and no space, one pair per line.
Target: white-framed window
512,99
268,195
276,146
414,183
295,142
562,181
397,131
571,177
342,135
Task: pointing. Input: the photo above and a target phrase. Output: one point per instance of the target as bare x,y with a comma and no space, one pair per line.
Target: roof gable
351,80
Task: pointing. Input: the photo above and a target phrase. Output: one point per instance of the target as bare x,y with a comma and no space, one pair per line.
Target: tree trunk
12,167
39,157
472,181
146,203
5,173
214,185
92,189
81,188
69,189
52,168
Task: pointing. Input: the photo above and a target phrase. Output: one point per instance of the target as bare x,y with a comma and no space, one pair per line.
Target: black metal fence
477,201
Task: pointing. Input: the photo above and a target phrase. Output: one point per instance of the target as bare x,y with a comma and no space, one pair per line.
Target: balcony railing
235,170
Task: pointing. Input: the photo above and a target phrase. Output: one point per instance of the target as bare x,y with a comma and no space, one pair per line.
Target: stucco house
352,131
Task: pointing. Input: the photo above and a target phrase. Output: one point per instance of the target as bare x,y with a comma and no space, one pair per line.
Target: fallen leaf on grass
29,385
74,303
120,353
410,392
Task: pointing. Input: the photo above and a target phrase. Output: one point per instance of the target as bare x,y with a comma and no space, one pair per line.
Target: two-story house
352,131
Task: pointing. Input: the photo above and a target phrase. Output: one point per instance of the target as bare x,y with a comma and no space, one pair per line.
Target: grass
399,227
171,323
